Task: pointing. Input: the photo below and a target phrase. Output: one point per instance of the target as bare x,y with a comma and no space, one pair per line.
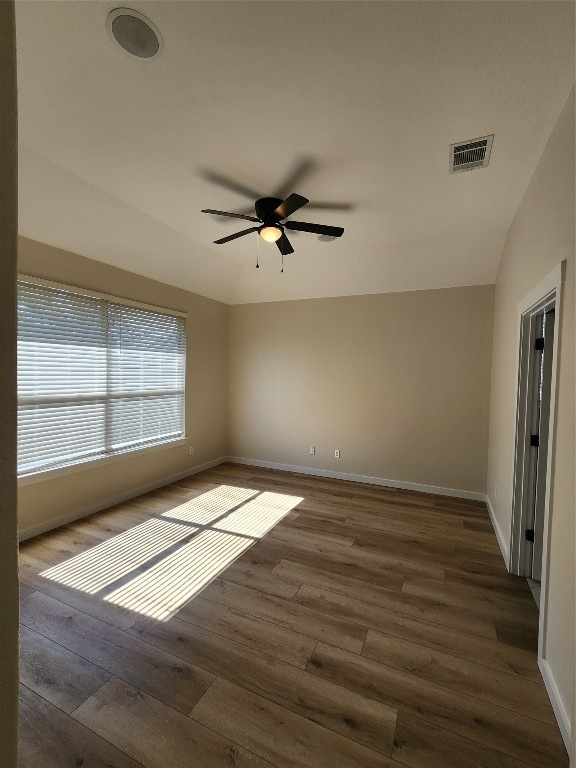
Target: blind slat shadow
155,567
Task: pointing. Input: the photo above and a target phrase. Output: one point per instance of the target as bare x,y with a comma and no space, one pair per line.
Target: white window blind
95,377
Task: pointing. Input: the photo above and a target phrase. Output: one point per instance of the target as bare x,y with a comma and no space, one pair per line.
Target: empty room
287,372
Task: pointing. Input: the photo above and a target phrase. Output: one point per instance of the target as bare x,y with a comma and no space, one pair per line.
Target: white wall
541,236
399,382
8,537
43,505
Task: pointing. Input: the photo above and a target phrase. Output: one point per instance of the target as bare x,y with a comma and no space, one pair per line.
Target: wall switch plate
312,450
192,450
337,453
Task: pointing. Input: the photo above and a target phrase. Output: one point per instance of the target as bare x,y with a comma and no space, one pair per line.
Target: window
96,376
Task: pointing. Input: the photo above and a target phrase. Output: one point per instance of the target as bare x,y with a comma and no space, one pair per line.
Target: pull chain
258,253
282,270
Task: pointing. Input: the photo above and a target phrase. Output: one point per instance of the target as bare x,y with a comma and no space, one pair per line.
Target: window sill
49,474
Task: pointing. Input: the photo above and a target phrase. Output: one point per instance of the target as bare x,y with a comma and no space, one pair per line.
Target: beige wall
398,382
8,528
45,503
541,236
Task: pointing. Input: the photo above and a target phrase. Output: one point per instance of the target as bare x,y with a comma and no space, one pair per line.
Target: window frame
39,475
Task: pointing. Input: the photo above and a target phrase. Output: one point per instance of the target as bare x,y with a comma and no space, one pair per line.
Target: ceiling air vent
134,33
467,155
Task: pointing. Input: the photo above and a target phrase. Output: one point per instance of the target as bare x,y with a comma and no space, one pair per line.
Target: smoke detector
134,33
467,155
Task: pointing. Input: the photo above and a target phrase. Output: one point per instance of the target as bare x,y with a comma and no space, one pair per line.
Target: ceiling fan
303,166
270,212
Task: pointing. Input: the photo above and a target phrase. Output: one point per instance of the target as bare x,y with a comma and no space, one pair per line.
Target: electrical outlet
312,450
192,449
337,453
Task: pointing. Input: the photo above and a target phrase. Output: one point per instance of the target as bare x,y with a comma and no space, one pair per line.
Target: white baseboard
405,486
36,530
504,545
558,706
48,525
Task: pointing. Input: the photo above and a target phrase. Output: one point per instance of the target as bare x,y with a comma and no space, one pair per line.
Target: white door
538,437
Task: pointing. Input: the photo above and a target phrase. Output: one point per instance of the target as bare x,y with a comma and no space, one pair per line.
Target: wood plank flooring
367,628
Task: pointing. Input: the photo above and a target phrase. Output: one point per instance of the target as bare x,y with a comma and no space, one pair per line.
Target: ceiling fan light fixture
270,234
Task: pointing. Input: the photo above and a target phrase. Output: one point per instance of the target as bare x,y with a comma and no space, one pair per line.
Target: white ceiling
374,92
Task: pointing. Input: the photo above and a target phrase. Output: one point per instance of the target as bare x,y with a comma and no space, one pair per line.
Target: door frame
547,293
524,468
542,370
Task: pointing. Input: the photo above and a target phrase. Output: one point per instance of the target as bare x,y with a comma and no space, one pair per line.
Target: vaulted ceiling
114,149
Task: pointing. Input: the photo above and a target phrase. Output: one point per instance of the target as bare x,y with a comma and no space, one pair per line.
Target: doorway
537,480
538,352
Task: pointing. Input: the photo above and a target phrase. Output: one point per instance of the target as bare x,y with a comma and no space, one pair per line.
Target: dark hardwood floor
244,618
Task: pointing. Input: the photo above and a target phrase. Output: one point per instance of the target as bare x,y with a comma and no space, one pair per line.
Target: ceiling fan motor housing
265,208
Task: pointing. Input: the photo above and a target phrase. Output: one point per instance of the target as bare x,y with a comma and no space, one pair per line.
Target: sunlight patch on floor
219,526
210,505
105,563
258,516
161,590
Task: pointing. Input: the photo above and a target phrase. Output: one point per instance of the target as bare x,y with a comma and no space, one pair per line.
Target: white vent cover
467,155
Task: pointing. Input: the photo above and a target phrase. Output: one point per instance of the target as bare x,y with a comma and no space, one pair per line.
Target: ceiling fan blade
249,209
292,203
234,215
331,206
236,234
284,245
233,186
318,229
300,169
319,206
